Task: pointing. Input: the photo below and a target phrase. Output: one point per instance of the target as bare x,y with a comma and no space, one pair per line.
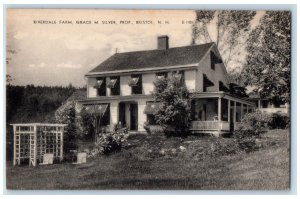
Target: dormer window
100,86
161,75
136,84
114,85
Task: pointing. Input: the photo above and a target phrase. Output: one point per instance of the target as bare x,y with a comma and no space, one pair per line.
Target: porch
217,112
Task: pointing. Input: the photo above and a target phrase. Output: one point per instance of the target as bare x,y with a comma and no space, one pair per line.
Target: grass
143,165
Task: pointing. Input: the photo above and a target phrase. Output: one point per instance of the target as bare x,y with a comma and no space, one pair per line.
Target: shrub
247,144
110,141
279,121
253,124
175,109
224,146
153,129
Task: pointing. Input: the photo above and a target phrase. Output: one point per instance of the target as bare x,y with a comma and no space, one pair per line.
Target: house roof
154,58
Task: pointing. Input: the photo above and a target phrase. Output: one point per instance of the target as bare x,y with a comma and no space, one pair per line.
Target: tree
66,114
175,110
91,121
232,28
268,60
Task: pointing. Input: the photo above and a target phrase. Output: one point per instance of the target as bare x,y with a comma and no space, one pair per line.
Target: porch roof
203,95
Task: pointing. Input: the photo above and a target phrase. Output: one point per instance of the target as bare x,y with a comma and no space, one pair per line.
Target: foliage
85,123
223,146
153,129
251,128
110,141
268,61
66,114
175,111
279,121
232,27
34,103
253,124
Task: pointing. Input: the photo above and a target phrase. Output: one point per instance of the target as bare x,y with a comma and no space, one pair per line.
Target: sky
59,46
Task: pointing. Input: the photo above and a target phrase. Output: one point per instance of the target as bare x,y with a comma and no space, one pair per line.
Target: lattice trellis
32,141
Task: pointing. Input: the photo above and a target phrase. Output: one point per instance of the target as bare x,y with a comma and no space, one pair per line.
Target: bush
247,144
253,124
110,141
279,121
223,146
174,110
153,129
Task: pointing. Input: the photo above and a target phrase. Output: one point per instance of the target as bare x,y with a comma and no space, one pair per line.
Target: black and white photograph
137,99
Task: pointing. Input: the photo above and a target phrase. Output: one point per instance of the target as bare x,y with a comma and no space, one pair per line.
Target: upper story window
114,85
100,86
206,83
214,60
161,75
136,84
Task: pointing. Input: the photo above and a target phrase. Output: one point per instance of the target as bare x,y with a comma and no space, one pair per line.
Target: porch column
242,110
114,113
107,89
259,104
62,144
234,112
219,109
247,108
228,119
15,129
142,117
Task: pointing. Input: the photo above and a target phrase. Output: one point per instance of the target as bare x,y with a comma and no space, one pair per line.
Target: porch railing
209,125
274,110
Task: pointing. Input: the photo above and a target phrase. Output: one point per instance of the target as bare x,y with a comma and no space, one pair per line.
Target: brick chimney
162,42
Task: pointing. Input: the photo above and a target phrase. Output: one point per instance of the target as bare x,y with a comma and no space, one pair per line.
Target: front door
133,117
122,116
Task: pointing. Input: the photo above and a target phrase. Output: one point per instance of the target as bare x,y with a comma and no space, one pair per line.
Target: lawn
154,162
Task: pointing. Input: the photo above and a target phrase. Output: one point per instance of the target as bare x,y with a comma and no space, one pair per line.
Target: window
214,60
179,75
264,103
136,84
114,85
222,87
206,83
100,86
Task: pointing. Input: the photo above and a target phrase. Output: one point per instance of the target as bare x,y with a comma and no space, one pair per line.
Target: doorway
133,117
